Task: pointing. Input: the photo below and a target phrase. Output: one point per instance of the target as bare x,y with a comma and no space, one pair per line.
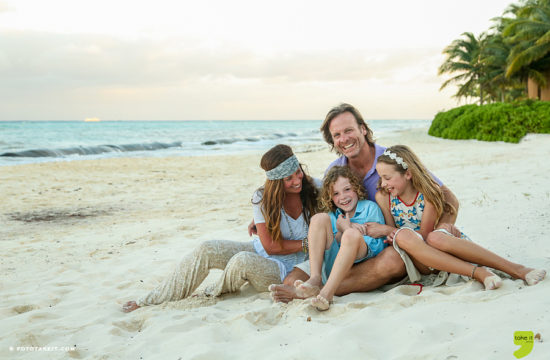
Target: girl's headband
397,159
284,169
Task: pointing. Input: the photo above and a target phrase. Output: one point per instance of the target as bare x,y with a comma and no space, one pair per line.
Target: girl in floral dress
412,204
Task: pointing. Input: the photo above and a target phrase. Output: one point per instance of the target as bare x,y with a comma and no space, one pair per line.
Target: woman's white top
299,230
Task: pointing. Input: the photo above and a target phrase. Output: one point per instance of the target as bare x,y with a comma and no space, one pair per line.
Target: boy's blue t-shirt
366,211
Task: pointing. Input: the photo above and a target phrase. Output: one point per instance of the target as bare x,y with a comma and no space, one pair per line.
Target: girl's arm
429,216
271,247
375,229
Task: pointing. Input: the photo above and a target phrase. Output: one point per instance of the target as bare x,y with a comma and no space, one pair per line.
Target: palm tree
529,35
495,55
464,56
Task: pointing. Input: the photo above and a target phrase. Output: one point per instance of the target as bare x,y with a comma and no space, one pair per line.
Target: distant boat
91,119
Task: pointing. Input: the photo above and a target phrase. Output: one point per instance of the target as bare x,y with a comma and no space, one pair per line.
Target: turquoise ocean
23,142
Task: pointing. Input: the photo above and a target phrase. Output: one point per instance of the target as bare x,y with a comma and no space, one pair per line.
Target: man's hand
389,238
376,230
450,228
360,227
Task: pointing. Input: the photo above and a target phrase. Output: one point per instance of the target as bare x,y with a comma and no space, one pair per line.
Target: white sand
102,232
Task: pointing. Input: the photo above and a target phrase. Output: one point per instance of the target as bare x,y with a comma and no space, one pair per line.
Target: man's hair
340,109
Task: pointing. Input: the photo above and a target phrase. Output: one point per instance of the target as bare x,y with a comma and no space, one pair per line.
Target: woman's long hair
273,192
421,178
325,199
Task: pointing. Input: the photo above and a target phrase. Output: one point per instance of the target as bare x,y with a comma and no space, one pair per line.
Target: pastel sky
238,59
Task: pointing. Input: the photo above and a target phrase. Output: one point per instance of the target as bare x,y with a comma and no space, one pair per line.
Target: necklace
287,220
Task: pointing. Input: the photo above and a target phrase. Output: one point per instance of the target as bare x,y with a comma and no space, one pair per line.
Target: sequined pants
238,260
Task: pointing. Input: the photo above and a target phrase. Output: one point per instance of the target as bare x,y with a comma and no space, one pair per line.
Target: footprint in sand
75,354
130,325
181,328
264,318
358,305
125,285
116,332
43,316
65,283
63,288
29,339
187,228
20,309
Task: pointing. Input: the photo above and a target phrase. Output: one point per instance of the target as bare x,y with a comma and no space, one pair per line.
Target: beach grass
508,122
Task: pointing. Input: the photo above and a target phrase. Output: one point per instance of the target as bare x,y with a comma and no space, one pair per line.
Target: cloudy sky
219,59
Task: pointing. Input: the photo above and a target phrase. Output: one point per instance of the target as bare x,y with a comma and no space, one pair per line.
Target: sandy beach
80,238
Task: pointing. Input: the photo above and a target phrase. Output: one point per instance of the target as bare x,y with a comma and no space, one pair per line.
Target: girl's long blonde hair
421,178
273,192
325,199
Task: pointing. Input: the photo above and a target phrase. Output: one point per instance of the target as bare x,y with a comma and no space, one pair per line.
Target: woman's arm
271,247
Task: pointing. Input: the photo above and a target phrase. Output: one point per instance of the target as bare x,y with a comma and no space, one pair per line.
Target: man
348,134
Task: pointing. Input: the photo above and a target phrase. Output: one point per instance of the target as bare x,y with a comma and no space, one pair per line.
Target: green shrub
493,122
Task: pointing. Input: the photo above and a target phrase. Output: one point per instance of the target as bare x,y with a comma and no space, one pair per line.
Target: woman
282,210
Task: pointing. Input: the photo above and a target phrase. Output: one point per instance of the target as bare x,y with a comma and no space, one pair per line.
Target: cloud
73,76
45,60
4,7
327,66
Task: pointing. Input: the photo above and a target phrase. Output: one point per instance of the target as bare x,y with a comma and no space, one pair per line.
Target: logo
525,339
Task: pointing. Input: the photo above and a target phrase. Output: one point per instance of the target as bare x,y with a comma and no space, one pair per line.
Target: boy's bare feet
320,303
309,288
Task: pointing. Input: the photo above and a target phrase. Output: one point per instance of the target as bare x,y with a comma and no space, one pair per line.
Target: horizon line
166,120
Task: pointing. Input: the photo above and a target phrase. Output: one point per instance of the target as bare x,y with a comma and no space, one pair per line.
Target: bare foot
320,303
490,280
309,288
130,306
534,276
283,293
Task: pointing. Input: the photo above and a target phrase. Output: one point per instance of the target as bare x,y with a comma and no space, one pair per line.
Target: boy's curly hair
325,199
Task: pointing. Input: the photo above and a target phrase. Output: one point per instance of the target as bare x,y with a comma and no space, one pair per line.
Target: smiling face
344,196
347,135
293,183
393,181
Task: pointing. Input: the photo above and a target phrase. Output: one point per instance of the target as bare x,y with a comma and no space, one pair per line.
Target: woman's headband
397,159
284,169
